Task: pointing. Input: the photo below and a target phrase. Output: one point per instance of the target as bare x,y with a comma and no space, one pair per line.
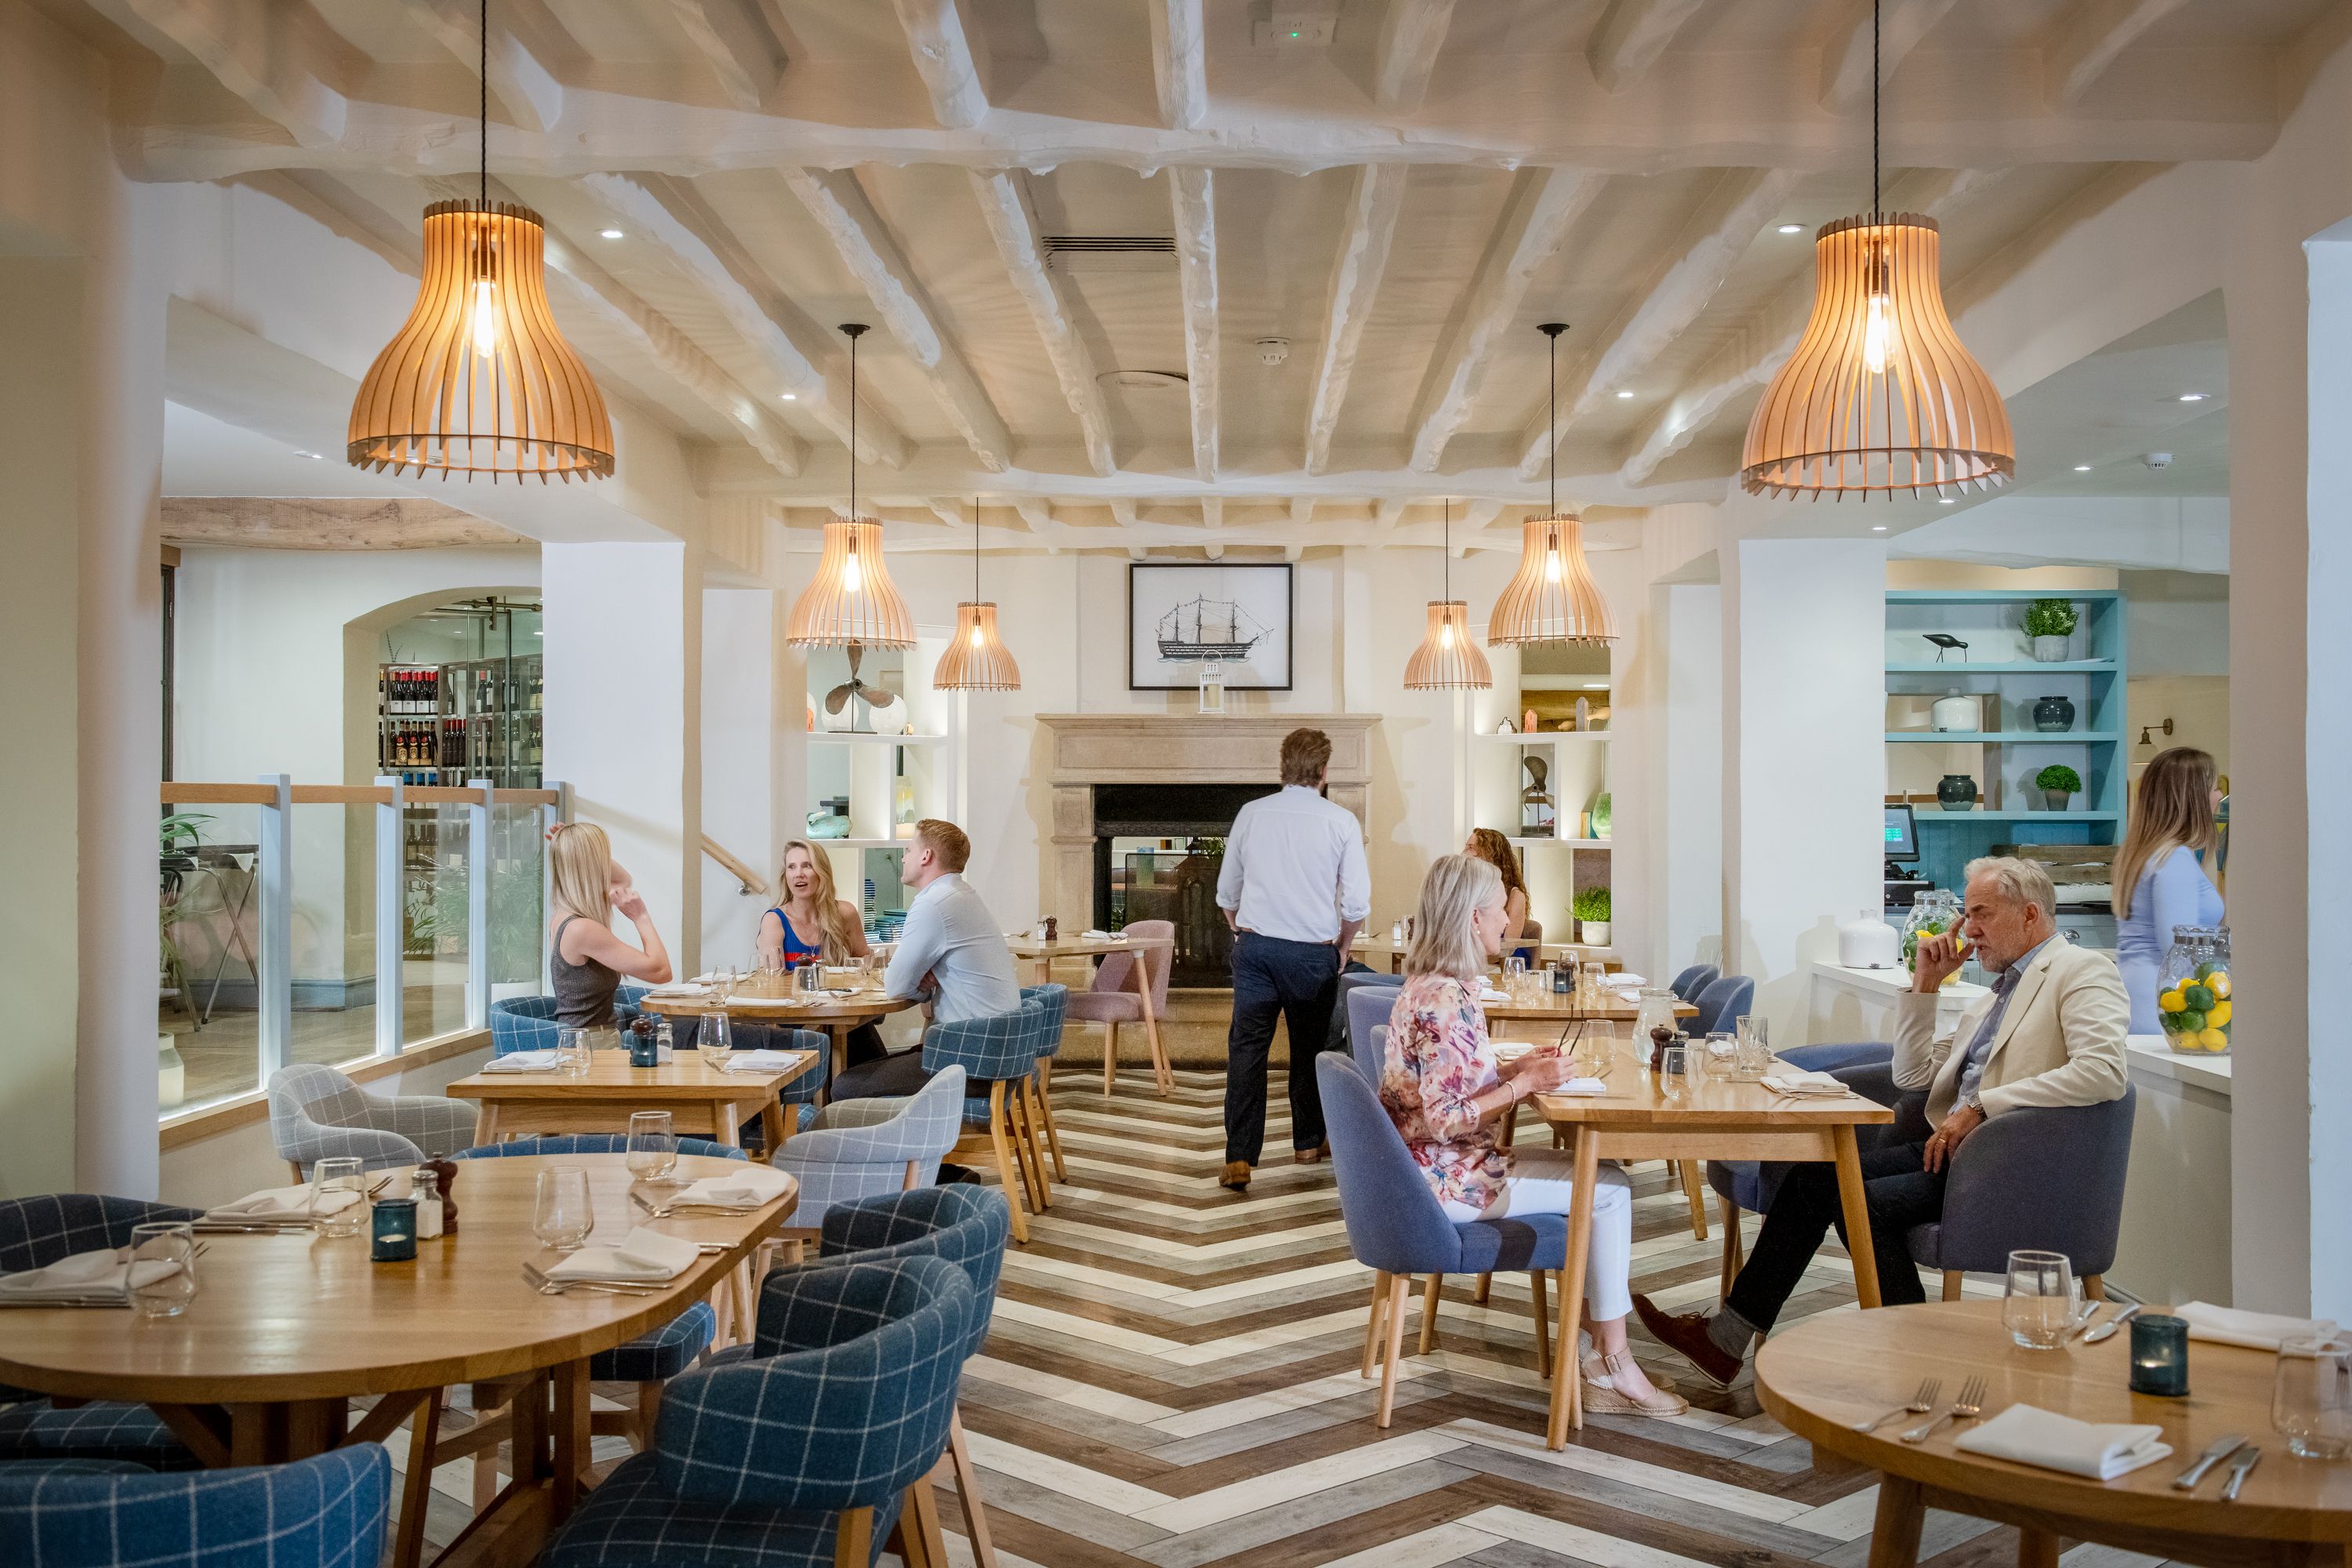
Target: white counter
2174,1244
1859,1003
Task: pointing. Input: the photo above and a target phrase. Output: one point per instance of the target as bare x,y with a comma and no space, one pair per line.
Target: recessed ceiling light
2193,397
610,233
2082,468
314,457
791,398
1949,500
1625,393
1793,229
1878,528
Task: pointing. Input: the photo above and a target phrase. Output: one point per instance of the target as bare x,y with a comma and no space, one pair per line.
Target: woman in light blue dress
2160,881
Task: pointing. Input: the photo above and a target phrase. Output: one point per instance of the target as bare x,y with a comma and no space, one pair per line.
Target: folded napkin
680,988
1791,1080
1102,936
84,1274
2030,1435
1625,979
1488,993
748,1188
284,1203
546,1061
759,1061
2255,1330
648,1256
1580,1086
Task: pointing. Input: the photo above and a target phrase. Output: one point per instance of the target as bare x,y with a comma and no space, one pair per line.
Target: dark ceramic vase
1957,793
2054,715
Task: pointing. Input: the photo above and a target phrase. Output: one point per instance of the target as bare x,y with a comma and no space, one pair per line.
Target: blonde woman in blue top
2158,882
809,922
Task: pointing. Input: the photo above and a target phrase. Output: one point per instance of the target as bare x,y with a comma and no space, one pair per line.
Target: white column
1686,861
754,755
624,715
1804,763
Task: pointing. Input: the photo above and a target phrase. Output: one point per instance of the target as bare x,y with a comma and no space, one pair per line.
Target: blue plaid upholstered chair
864,1148
528,1023
316,1112
322,1512
805,1455
801,1094
1055,1000
999,1055
35,1232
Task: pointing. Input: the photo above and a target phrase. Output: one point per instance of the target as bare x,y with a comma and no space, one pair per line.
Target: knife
2239,1471
2219,1449
2106,1329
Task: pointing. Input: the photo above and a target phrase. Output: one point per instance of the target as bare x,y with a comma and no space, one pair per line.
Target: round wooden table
770,999
286,1330
1821,1376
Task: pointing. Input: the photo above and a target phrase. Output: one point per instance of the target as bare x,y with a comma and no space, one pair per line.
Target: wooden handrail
753,886
177,793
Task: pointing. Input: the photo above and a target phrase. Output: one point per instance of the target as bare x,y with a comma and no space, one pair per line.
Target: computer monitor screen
1902,833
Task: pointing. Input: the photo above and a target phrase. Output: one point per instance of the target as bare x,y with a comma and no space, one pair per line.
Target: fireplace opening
1157,850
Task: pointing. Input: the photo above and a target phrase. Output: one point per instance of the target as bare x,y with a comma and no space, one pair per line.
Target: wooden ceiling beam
285,62
525,88
735,40
1193,195
1845,63
1372,210
1406,51
1631,35
1179,65
1014,229
2090,38
945,60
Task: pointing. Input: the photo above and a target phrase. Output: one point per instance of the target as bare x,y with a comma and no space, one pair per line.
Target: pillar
754,756
1686,865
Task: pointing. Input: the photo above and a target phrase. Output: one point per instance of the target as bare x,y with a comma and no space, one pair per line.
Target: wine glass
163,1267
562,1214
653,1145
330,1178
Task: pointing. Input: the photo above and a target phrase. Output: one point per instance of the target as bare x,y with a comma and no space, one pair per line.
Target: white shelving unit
1557,863
889,781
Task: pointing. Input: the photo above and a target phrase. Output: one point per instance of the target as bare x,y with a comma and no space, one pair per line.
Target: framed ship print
1181,613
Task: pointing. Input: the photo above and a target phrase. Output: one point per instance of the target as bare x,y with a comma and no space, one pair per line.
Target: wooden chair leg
1394,1343
1485,1285
1696,1191
296,1167
1024,1143
1952,1277
1372,1326
1005,1174
853,1533
1430,1289
966,1480
1045,1112
1732,1257
1543,1323
1163,1071
417,1486
2094,1287
1110,1055
649,1398
920,1545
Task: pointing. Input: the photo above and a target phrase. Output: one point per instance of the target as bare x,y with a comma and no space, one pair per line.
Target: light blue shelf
1927,816
2023,667
2003,737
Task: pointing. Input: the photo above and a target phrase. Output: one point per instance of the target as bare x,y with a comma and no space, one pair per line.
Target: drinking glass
1673,1073
809,978
1515,976
163,1267
572,1051
562,1214
1722,1052
2044,1299
714,1038
1753,1052
339,1173
2311,1402
653,1145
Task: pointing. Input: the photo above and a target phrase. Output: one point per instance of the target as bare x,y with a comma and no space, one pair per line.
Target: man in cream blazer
2049,1032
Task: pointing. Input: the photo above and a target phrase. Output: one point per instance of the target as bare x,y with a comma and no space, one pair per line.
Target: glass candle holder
2160,1355
392,1238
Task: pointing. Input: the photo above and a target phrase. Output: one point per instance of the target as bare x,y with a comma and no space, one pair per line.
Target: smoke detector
1273,351
2158,460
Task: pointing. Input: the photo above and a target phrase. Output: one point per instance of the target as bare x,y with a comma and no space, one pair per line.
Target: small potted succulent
2059,785
2051,624
1591,907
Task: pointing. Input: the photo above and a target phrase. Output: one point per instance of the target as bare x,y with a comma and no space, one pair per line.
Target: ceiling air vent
1109,252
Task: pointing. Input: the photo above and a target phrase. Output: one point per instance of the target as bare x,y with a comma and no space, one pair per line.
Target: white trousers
1543,1181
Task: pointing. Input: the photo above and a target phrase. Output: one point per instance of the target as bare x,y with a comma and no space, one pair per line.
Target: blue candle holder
392,1238
645,1049
2159,1356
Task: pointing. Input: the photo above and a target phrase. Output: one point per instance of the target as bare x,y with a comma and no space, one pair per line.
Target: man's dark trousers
1297,981
1900,1193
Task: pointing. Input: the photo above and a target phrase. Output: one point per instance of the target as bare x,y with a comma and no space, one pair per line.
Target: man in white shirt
1294,887
951,954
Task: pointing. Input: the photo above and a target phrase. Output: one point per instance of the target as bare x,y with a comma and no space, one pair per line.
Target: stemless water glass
163,1267
1515,976
1752,1054
653,1145
809,978
330,1178
562,1214
2044,1299
572,1051
1722,1052
1673,1073
2311,1402
714,1037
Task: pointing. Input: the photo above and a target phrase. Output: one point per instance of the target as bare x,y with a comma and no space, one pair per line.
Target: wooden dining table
1821,1376
701,1100
1537,1005
1709,1118
848,1000
287,1329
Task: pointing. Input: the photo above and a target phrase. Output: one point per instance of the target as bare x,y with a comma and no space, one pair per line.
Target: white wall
1687,869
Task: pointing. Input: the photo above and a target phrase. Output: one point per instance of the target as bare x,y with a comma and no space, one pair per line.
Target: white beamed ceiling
902,163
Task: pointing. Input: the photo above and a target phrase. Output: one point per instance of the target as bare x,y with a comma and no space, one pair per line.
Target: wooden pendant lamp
976,660
1448,658
852,599
1552,597
1880,396
480,380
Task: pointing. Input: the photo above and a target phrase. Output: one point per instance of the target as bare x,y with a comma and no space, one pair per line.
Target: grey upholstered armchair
315,1113
869,1148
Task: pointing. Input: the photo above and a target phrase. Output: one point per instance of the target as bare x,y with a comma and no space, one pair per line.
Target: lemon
2171,1002
2218,1015
2217,983
2214,1040
2198,998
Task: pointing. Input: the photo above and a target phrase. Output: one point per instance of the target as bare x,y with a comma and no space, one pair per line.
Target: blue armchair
35,1232
1721,1004
1694,980
801,1094
528,1023
1055,1000
807,1453
1367,1003
326,1511
1396,1228
999,1055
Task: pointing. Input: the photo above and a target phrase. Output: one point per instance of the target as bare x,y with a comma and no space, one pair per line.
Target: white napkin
646,1255
1102,936
747,1188
283,1203
546,1061
83,1275
2031,1436
2255,1330
1580,1086
1625,980
680,988
1791,1080
759,1061
1488,993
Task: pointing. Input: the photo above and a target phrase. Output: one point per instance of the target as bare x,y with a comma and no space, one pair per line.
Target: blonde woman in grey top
588,959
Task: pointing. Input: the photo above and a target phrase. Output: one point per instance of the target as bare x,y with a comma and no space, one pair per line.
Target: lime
2196,998
2191,1022
2170,1020
2205,969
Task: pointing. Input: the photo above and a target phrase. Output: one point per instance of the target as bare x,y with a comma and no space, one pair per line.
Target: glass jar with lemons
2193,997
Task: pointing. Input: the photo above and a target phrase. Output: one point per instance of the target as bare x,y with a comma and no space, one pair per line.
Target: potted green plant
1591,907
2059,784
2050,622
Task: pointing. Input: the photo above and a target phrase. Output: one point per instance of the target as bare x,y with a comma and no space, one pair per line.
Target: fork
1967,1408
540,1281
1921,1403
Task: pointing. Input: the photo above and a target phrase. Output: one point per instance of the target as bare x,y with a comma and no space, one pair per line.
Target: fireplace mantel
1090,749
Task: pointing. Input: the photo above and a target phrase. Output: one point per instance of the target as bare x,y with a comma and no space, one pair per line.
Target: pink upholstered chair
1117,998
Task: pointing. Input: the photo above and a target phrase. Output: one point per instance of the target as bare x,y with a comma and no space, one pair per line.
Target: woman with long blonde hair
809,922
1447,1090
2158,882
586,887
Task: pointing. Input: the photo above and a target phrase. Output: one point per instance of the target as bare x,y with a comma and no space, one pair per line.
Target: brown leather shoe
1308,1156
1236,1176
1686,1335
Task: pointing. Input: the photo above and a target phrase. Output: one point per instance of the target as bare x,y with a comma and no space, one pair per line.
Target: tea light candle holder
2159,1356
392,1238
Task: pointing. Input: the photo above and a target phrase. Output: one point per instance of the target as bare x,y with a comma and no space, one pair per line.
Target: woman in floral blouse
1442,1087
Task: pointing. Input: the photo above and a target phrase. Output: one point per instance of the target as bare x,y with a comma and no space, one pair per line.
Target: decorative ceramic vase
2054,715
1601,815
2058,799
1953,712
2050,650
1527,723
1957,792
1595,932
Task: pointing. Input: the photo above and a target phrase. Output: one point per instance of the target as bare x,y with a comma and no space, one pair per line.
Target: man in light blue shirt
951,954
1294,887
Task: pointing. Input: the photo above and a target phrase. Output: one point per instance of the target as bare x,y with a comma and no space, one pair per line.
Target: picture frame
1240,612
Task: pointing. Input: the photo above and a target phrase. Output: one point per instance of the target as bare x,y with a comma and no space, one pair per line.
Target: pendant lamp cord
1449,556
853,426
486,105
1555,424
975,552
1875,216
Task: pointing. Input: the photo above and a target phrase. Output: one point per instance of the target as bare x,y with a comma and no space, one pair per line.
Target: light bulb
485,317
1552,570
1877,335
1446,635
852,580
975,634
